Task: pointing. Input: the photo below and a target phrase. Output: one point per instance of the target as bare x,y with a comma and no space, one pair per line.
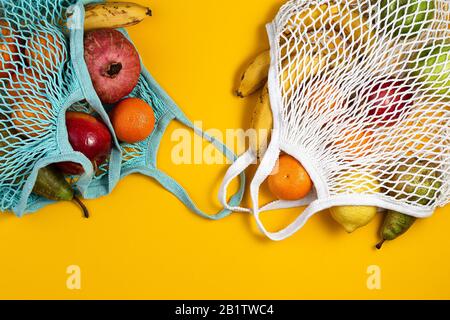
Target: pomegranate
113,64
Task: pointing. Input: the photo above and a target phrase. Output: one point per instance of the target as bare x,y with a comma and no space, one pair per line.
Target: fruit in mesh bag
416,181
353,217
87,135
302,67
133,120
45,51
348,21
421,133
324,43
31,115
8,49
289,180
113,64
407,17
8,142
26,82
355,141
389,100
326,98
355,26
432,67
52,185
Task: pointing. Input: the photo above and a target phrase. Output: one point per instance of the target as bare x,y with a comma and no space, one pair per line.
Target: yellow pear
354,217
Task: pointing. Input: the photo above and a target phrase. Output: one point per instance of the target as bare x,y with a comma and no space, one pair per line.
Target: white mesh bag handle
360,93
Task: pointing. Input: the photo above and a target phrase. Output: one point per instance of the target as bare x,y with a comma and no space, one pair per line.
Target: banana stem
82,206
380,245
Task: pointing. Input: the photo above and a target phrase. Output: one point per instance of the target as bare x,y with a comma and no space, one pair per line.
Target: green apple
432,67
407,17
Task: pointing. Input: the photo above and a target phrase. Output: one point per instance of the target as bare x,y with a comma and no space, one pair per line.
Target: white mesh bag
359,90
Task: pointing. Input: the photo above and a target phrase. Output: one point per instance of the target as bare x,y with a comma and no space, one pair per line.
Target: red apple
389,100
87,135
113,64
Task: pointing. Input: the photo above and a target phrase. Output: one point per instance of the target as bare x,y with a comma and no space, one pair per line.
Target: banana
342,18
255,76
355,26
114,15
262,123
292,77
326,42
312,18
301,68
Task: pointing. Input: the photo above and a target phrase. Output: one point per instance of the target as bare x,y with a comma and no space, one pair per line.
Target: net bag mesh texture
38,84
42,75
360,94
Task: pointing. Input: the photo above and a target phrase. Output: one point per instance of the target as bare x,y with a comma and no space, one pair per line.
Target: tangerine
25,83
289,180
30,114
355,141
133,120
45,51
8,49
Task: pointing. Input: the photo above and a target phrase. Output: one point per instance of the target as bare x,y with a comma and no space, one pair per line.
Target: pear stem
82,206
380,245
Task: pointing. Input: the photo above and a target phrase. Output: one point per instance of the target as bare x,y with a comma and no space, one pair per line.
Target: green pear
432,67
407,17
417,181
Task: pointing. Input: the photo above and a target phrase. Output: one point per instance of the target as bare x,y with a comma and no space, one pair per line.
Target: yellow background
143,243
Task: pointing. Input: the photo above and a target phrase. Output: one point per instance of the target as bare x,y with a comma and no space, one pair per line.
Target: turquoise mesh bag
39,87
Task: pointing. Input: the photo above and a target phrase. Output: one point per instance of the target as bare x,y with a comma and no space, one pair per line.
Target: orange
133,120
25,83
324,97
289,180
355,141
45,51
423,132
8,49
30,115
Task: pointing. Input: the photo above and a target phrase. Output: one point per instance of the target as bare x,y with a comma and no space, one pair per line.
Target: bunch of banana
114,15
342,18
262,123
255,76
318,38
301,66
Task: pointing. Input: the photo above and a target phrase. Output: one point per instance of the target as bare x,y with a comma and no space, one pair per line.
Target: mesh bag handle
141,157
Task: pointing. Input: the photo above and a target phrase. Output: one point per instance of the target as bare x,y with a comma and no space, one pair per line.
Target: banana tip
239,94
149,12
